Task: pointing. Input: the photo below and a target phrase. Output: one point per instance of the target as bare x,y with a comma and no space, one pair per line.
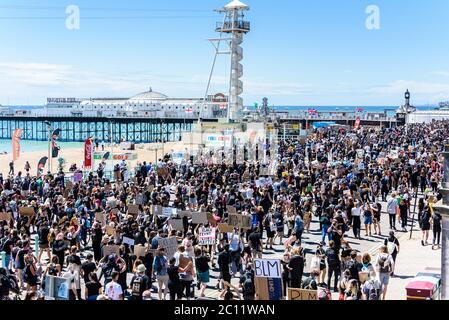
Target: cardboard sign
133,209
163,172
207,236
232,210
224,227
184,261
140,251
5,216
128,241
234,221
269,288
110,231
100,217
176,224
26,211
199,218
302,294
183,214
247,222
170,245
111,249
268,268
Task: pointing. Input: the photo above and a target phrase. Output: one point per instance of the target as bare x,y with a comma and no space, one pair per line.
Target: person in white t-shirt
113,290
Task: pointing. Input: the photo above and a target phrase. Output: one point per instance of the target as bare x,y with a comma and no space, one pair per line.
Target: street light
48,123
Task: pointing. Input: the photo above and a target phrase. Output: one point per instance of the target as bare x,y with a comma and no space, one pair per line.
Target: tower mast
235,25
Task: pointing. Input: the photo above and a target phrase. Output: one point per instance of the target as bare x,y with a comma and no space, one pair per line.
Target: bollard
36,245
3,259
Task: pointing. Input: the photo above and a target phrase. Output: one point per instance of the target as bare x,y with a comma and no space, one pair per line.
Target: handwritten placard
199,218
176,224
26,211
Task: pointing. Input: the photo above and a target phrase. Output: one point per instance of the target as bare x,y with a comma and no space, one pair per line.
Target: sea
28,146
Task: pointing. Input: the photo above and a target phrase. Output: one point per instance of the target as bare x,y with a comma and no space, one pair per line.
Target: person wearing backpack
384,268
354,267
139,283
311,282
247,284
371,289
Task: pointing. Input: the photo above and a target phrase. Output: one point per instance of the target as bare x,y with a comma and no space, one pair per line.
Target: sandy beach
145,152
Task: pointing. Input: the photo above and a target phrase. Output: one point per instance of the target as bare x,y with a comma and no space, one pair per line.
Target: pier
137,130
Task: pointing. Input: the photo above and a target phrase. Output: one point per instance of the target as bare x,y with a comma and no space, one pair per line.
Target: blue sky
299,52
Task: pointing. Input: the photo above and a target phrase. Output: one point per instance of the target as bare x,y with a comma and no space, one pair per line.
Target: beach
75,155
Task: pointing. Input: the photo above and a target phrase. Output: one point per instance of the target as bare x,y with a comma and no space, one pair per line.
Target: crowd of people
337,177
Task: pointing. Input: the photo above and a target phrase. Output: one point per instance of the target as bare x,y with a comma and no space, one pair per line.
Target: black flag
55,148
41,164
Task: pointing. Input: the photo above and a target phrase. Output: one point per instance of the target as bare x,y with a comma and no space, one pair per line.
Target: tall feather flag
54,147
41,164
16,144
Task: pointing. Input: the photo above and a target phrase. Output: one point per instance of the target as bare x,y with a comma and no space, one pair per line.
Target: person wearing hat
140,283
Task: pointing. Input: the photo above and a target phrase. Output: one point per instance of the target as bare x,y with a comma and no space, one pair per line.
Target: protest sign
26,211
57,288
77,177
133,209
302,294
268,268
156,210
100,217
128,241
139,199
162,172
170,245
183,214
69,185
269,288
224,227
234,220
111,249
176,224
5,216
246,222
139,250
207,236
184,261
168,212
232,210
199,218
110,230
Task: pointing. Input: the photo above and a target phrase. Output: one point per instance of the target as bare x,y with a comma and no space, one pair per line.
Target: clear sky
299,52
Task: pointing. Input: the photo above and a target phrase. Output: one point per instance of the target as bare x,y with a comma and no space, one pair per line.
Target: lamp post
442,207
48,123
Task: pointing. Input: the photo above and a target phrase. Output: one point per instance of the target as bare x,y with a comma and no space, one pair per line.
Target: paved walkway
412,259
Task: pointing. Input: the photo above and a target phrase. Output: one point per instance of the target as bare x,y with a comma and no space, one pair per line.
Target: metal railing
233,25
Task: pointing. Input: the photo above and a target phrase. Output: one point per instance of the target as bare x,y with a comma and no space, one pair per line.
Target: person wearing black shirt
436,226
174,283
333,265
202,268
93,287
255,241
97,235
88,267
224,260
43,232
139,283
